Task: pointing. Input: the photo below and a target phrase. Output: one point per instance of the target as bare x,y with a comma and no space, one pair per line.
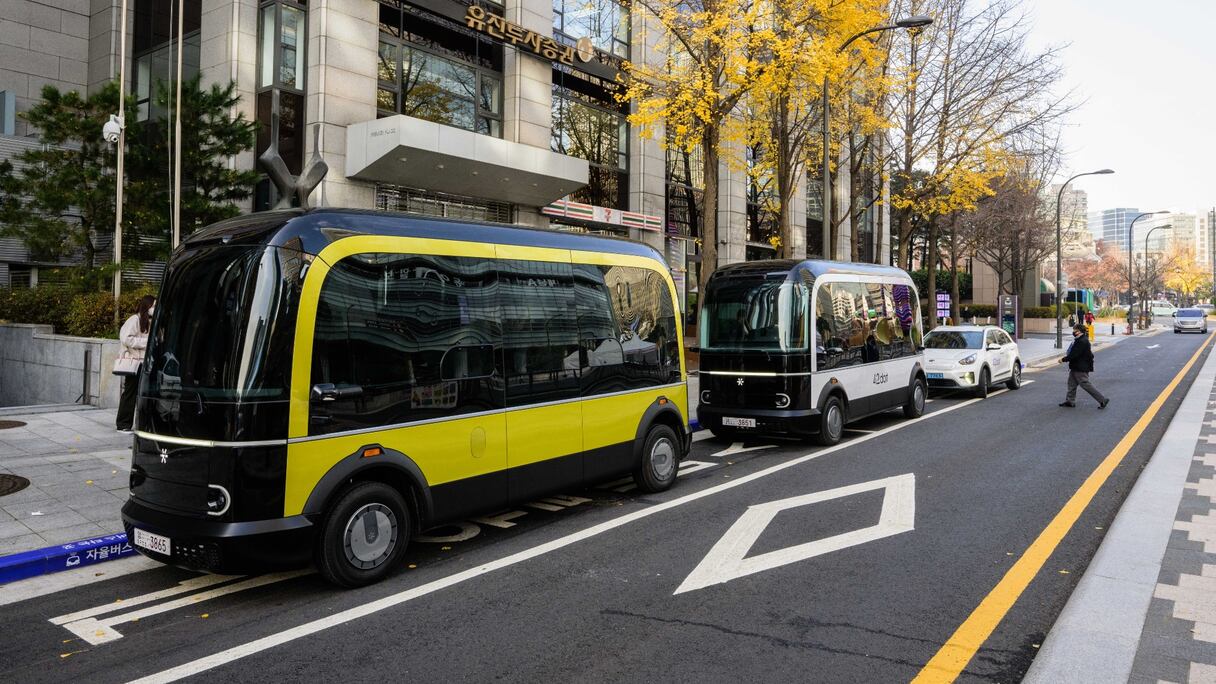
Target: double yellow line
961,647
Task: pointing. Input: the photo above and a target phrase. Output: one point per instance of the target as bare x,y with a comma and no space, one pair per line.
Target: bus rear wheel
660,462
831,422
364,536
915,408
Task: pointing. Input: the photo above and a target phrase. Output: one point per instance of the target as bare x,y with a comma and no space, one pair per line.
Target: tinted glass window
646,323
1190,313
950,339
224,325
755,314
540,331
1004,337
417,334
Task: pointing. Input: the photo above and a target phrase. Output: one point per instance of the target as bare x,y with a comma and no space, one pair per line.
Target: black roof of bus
816,267
312,230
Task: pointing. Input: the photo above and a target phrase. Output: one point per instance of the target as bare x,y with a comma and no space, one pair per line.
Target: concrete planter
40,367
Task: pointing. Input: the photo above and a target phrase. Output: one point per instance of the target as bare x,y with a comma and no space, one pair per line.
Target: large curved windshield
764,314
224,325
1190,313
951,339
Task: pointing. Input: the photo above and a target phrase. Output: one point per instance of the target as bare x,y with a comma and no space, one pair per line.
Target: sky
1146,75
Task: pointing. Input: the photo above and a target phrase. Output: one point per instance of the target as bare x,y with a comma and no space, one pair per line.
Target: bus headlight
704,396
967,360
218,500
783,400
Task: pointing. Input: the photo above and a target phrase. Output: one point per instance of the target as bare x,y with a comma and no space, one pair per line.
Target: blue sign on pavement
64,557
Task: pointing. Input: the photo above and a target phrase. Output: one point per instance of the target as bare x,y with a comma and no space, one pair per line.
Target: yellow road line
949,661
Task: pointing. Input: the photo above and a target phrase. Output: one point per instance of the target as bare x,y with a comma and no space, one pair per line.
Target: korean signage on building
617,217
478,19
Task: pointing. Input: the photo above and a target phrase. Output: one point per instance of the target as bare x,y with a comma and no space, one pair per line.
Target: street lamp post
1131,286
1146,235
914,22
1059,250
121,151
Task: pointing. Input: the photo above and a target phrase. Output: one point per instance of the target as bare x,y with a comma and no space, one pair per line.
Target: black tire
981,387
660,461
1015,378
917,393
349,553
831,422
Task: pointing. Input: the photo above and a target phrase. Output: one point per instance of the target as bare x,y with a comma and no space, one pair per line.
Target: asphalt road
703,583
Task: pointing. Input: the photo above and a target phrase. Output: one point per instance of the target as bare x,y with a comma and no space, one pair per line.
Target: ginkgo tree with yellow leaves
1184,275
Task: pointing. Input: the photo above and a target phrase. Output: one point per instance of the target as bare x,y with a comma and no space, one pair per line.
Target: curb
64,557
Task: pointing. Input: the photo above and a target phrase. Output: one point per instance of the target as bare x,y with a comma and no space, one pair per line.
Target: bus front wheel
660,462
915,408
364,536
831,422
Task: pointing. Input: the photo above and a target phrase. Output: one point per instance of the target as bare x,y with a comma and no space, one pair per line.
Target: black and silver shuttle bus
801,348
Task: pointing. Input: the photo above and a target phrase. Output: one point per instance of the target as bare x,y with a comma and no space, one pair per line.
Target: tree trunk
954,303
931,266
709,237
784,172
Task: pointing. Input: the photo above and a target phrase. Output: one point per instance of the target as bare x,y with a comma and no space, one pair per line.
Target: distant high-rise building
1110,225
1074,221
1178,231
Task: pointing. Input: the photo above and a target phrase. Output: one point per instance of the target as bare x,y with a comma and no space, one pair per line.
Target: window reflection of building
604,22
154,51
590,124
435,69
814,215
685,200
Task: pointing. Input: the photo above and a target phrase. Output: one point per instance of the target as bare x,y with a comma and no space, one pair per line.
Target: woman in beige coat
132,340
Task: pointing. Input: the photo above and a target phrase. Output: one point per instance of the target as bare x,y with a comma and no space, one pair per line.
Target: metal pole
1146,236
177,154
827,174
1059,270
118,171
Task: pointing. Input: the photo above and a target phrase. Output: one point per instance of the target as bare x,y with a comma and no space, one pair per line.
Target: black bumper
795,422
224,547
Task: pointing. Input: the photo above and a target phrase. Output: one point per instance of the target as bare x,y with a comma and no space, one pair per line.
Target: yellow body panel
445,450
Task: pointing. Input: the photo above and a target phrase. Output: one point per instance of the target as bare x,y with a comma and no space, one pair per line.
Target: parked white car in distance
971,357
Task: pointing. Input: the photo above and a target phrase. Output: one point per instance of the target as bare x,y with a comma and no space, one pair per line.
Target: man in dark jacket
1080,359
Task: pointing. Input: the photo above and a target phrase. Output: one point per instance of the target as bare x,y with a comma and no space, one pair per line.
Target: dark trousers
126,402
1079,379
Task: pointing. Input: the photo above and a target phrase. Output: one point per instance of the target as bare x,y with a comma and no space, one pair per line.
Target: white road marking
1152,346
319,625
738,448
43,585
183,587
96,631
726,561
500,520
702,435
686,467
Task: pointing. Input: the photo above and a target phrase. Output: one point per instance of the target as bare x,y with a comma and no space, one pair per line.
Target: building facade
1110,225
491,110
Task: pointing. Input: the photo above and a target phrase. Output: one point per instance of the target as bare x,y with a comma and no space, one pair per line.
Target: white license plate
936,376
152,542
739,422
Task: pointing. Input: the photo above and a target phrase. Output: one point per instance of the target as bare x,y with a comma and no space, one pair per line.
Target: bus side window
386,324
603,357
645,315
541,352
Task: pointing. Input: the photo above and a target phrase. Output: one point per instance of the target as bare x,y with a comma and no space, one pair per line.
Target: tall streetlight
1131,286
1059,257
121,151
918,21
1150,232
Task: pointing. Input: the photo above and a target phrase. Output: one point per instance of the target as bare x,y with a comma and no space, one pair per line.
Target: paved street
746,569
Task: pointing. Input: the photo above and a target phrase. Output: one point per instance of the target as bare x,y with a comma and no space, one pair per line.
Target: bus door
541,363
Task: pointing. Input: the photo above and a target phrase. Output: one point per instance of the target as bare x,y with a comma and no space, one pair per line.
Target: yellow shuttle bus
319,385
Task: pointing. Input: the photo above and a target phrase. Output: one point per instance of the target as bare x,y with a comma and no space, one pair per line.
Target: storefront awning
402,150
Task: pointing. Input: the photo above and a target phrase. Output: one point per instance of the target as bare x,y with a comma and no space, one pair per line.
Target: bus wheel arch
660,444
391,468
364,535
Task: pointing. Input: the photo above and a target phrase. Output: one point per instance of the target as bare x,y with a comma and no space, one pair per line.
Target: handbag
126,364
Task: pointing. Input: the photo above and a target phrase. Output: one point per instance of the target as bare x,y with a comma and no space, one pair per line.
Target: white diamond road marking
726,561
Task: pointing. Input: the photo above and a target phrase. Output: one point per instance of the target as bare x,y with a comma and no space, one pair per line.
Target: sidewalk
1145,609
77,466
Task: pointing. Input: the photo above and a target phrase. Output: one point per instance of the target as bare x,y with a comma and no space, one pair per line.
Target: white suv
971,357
